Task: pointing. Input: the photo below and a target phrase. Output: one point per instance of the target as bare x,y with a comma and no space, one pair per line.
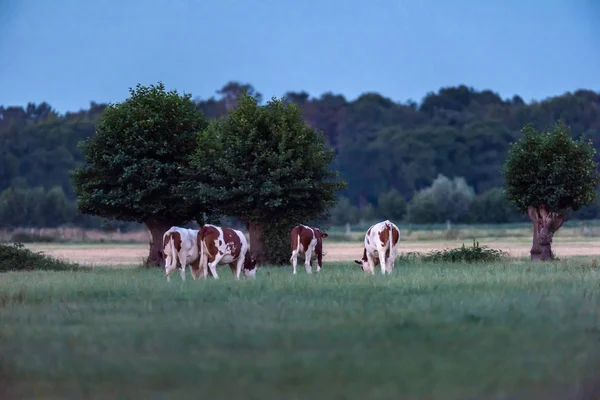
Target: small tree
391,205
446,199
548,173
492,206
136,159
269,165
343,212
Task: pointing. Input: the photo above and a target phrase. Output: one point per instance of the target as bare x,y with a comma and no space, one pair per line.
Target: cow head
321,234
249,266
364,264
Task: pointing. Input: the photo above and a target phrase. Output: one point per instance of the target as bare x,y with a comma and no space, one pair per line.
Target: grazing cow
380,247
179,245
224,246
309,241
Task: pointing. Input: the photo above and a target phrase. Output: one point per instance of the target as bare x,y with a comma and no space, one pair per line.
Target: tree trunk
545,223
256,245
157,228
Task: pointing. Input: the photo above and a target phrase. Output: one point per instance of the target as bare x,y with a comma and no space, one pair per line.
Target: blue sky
71,52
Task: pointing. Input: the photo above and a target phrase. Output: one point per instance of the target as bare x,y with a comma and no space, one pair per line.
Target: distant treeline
428,163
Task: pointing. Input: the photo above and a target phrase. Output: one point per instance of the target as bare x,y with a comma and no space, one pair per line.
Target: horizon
72,54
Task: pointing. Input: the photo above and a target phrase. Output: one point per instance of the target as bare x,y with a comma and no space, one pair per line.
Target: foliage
136,158
34,207
472,254
30,237
266,164
380,144
344,212
444,200
551,169
492,206
16,257
276,240
391,205
503,330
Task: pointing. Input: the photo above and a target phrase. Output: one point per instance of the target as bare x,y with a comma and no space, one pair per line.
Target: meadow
114,330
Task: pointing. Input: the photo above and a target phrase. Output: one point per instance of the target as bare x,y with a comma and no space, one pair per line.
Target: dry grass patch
134,254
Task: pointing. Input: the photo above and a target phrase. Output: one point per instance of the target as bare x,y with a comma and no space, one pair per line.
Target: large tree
548,173
267,166
136,159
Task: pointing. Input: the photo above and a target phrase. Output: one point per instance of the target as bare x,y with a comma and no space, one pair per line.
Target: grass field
440,331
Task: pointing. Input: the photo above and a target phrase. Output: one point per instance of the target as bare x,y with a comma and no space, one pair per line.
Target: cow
180,245
380,247
219,246
307,240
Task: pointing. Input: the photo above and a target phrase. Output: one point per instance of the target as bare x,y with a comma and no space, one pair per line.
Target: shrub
26,237
276,240
475,253
17,258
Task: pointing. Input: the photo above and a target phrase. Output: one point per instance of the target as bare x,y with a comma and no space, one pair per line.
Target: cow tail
174,254
297,249
201,246
390,229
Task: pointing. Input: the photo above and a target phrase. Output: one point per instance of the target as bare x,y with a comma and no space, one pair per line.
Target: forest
436,161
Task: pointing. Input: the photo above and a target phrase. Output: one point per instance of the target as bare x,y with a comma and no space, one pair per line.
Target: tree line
430,162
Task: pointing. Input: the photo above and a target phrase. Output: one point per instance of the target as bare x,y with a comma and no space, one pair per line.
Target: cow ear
358,262
323,234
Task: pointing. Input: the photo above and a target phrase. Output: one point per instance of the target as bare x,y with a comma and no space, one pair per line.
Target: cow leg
183,266
195,267
371,262
391,260
204,265
168,272
167,269
307,260
213,269
214,264
170,265
319,260
294,260
382,261
238,267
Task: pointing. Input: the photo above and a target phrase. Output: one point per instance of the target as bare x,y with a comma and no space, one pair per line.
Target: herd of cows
213,245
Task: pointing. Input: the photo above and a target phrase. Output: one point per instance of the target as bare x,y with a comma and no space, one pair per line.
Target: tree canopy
379,144
552,169
266,164
136,159
548,173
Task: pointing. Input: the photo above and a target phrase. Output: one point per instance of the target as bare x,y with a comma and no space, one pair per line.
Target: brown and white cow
380,247
179,245
224,246
307,240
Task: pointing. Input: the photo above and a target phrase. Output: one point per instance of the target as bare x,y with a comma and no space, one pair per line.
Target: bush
26,237
466,254
276,243
17,258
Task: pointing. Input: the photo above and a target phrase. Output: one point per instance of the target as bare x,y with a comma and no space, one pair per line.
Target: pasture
501,330
442,331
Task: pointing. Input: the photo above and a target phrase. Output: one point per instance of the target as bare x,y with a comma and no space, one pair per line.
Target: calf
380,247
224,246
179,245
309,241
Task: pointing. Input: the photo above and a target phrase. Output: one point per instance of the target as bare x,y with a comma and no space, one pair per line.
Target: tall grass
443,331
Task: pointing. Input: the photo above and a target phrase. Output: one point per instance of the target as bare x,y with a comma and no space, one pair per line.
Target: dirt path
134,254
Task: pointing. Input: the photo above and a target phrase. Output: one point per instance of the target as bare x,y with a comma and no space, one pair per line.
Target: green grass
443,331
